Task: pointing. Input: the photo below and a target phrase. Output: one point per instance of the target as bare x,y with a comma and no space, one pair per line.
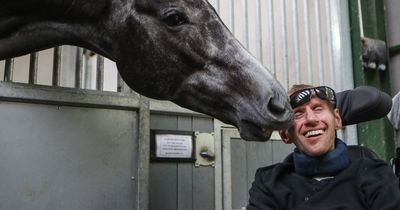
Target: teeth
313,133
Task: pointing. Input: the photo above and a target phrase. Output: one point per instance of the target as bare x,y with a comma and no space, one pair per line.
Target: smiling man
322,173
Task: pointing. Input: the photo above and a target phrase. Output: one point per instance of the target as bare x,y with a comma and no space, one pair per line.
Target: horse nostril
277,105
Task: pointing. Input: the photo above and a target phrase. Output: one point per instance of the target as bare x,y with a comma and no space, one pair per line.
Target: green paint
394,50
378,134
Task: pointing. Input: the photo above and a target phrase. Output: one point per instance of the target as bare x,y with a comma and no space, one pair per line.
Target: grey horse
177,50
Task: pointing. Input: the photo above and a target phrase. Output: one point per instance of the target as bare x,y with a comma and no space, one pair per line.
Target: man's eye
298,115
318,109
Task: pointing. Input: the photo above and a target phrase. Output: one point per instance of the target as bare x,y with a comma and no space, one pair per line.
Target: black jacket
367,183
362,104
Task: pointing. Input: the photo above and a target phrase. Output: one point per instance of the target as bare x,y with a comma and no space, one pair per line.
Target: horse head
177,50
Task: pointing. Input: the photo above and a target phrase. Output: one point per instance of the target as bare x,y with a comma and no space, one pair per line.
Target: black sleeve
363,104
379,185
260,197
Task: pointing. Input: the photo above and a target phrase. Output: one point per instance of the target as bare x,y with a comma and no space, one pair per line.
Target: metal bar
100,73
346,58
87,78
8,70
342,57
226,167
33,68
218,165
341,44
246,24
259,50
271,35
56,66
43,94
356,41
330,43
283,34
308,42
231,24
78,67
319,42
360,18
296,40
142,180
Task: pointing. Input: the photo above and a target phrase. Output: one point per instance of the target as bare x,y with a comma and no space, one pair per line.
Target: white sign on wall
174,146
166,145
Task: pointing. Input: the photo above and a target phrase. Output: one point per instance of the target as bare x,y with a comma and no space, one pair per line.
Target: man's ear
285,136
338,119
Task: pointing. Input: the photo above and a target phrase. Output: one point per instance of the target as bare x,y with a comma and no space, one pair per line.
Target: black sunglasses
303,96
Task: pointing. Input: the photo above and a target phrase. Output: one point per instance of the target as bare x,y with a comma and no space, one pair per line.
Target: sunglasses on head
303,96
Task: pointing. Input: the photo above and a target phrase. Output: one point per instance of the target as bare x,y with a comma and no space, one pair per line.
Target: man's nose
311,117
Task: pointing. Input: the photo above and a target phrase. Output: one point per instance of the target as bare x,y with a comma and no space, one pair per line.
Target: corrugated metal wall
305,41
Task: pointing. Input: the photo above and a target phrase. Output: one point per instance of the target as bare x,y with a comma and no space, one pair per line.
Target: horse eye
174,20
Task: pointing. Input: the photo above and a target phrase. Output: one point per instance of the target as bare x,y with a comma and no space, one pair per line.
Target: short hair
298,87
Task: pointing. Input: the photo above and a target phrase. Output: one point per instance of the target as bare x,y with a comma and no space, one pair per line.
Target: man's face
313,131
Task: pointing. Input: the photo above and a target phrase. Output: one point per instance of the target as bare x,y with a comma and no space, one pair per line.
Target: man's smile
313,133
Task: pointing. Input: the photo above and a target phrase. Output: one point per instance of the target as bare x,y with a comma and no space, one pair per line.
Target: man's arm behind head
363,104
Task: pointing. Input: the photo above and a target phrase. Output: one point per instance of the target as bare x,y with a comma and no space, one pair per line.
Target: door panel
54,157
241,159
